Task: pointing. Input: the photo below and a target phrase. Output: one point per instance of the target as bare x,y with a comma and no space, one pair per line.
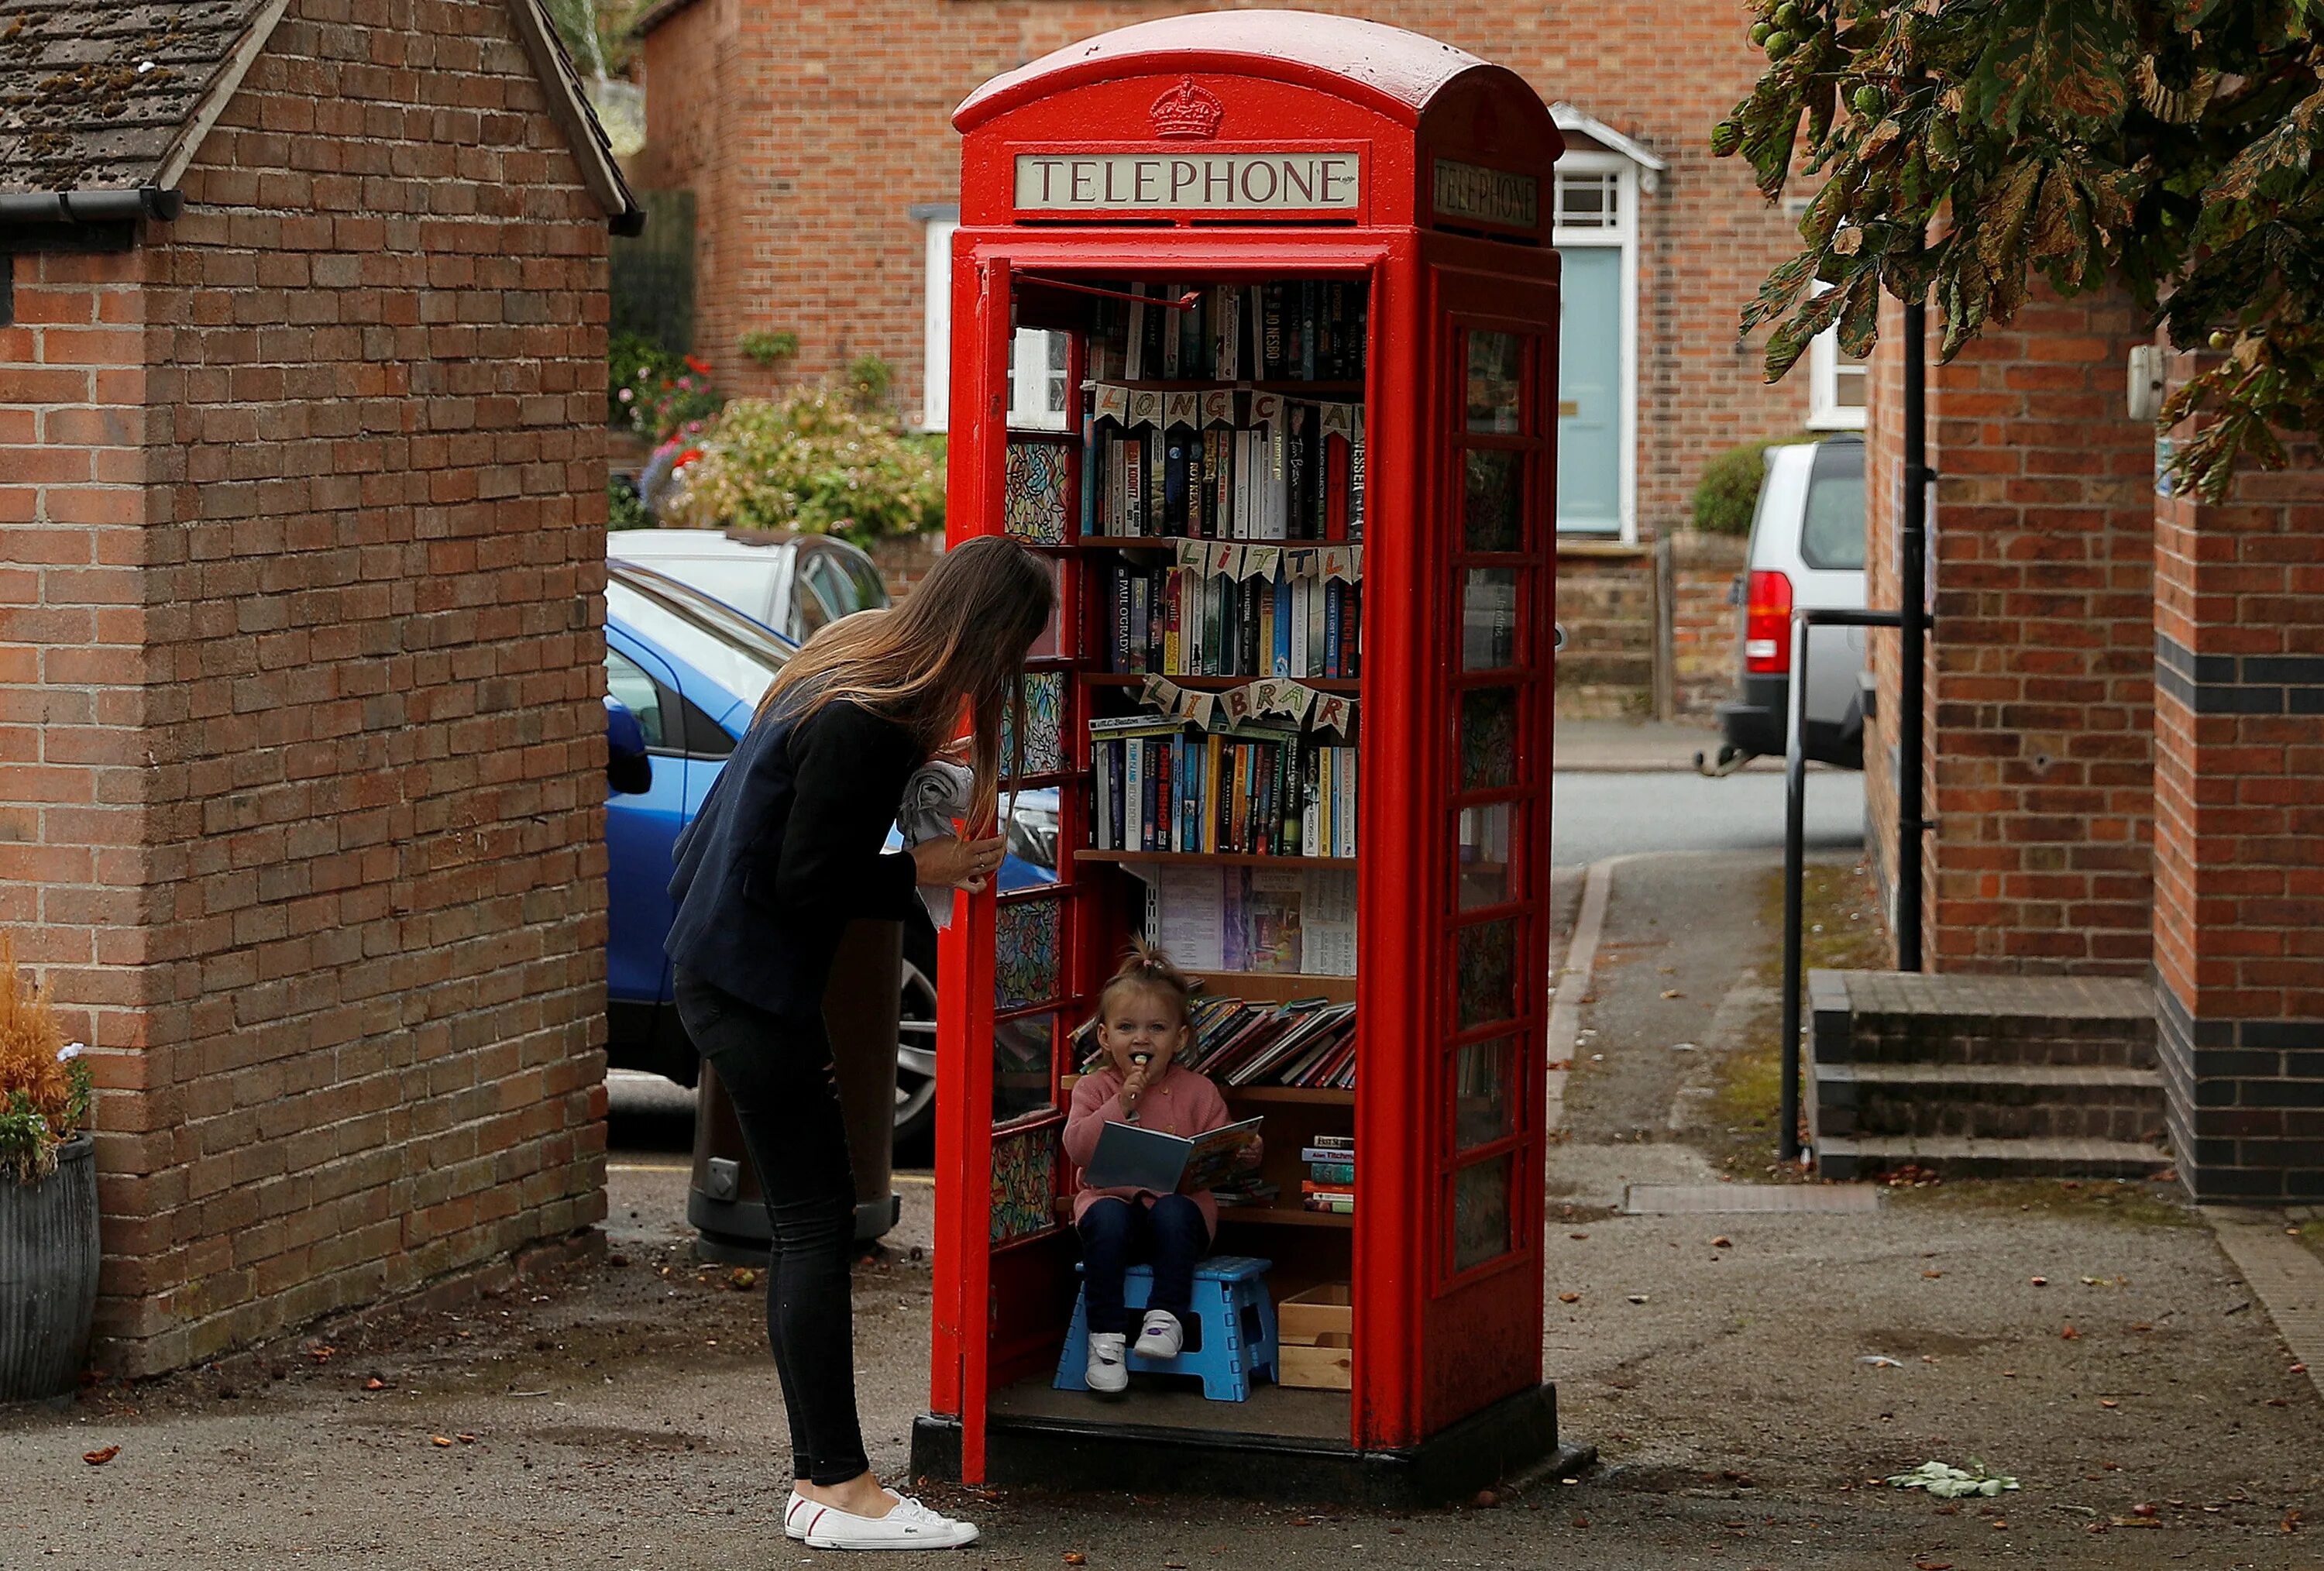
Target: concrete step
1878,1017
1987,1102
1840,1158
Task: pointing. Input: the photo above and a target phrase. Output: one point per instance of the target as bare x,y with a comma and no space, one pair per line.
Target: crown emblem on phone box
1187,113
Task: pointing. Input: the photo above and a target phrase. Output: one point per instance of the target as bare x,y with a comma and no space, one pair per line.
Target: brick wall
311,623
2041,663
1705,621
2239,831
809,133
1606,604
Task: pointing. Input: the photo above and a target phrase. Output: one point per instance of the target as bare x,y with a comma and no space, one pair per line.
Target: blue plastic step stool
1234,1343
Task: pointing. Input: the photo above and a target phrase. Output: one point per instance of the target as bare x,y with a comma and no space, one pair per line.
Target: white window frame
1825,411
935,318
1623,234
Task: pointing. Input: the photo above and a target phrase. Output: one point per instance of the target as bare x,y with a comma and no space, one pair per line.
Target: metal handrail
1795,765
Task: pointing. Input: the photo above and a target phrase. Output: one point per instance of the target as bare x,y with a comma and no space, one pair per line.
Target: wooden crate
1327,1365
1314,1332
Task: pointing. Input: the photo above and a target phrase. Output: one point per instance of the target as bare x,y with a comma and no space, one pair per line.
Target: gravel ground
622,1411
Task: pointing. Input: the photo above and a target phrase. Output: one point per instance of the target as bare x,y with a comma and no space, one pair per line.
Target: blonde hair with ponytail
1146,969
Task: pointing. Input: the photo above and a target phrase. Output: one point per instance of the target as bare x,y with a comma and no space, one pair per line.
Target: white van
1807,550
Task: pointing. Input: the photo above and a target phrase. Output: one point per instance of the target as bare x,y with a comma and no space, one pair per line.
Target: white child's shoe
1161,1336
1108,1370
908,1526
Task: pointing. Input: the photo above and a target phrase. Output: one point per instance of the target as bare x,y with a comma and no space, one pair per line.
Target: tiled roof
116,95
99,96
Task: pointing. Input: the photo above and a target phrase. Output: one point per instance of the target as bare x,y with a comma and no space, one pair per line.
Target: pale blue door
1589,393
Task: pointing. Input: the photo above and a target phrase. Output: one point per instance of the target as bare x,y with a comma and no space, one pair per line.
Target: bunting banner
1137,406
1268,697
1248,560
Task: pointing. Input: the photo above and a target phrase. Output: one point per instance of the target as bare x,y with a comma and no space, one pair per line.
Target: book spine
1157,519
1171,648
1330,1206
1133,365
1334,600
1271,355
1285,625
1213,748
1351,637
1311,812
1173,335
1308,330
1165,798
1356,478
1177,452
1133,485
1133,787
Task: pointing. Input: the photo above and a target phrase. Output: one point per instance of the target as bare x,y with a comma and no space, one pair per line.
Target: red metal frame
1431,1345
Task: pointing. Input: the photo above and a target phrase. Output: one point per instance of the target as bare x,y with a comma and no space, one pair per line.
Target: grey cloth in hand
936,795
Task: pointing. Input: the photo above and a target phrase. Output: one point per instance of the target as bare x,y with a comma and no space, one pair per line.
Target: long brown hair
962,634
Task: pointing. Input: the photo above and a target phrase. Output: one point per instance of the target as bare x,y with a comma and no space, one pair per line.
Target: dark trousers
778,1075
1170,1235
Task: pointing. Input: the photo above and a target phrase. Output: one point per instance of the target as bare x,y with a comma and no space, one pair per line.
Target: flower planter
47,1276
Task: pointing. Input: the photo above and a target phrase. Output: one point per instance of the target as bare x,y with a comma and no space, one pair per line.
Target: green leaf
2075,67
1859,325
1791,340
1783,287
2001,228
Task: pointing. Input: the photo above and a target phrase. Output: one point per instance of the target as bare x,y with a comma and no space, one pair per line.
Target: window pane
735,666
1483,1110
1489,619
1051,640
1496,381
1480,1213
1025,949
1493,508
1489,738
1485,973
635,691
1022,1050
1484,869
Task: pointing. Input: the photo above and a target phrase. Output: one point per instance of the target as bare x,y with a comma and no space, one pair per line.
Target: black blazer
787,848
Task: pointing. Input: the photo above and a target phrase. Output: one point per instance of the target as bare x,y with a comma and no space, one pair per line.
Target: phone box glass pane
1035,484
1484,868
1483,1109
1025,944
1045,707
1493,505
1489,619
1485,971
1496,381
1489,738
1024,1182
1022,1051
1480,1213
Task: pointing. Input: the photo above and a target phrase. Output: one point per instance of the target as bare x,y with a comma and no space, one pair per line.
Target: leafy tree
822,461
1966,144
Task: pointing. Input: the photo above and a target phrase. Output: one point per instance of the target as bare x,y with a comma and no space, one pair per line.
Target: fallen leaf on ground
1577,1235
1673,993
439,1440
2069,1334
742,1279
1637,1298
1580,1521
1722,1242
2038,1281
2144,1509
1931,1276
99,1459
374,1385
2108,1402
467,1439
1569,1297
1076,1558
1932,1565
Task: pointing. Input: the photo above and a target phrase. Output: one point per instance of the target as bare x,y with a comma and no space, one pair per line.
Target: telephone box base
1515,1438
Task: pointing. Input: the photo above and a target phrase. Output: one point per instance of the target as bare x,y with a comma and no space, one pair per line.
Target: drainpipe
90,206
1913,626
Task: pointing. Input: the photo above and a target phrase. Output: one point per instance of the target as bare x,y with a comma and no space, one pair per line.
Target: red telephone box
1296,712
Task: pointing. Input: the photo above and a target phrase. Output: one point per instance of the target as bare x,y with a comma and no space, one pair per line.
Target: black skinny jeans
778,1075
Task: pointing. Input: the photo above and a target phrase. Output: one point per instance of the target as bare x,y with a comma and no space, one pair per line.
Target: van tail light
1767,624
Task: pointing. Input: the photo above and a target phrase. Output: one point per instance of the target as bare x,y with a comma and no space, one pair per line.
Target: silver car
1807,550
793,583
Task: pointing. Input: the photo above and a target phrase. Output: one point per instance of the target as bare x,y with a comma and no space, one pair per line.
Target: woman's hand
957,863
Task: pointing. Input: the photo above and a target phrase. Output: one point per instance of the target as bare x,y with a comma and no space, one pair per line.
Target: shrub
45,1090
654,392
816,461
1729,491
765,349
624,508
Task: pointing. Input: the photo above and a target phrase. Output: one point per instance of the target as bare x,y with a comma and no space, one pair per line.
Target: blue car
688,671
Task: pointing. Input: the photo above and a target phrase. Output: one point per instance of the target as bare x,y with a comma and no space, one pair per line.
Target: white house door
1589,393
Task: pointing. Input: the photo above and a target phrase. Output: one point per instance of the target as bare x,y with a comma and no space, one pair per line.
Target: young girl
1142,1028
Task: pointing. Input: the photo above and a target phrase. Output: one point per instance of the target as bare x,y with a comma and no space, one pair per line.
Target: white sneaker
795,1515
908,1526
1107,1370
1161,1336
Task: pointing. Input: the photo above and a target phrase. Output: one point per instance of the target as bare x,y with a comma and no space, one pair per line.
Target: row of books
1250,465
1249,791
1330,1185
1180,622
1306,329
1307,1042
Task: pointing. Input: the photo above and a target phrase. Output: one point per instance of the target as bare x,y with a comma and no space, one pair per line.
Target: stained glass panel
1024,1181
1045,709
1036,480
1025,942
1489,738
1493,503
1485,971
1484,869
1480,1213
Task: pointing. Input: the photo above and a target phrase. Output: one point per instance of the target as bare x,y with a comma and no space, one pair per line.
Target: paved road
1595,815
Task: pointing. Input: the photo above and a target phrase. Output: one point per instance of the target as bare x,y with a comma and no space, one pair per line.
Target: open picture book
1128,1157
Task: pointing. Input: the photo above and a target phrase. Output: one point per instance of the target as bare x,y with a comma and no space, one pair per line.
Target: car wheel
916,1044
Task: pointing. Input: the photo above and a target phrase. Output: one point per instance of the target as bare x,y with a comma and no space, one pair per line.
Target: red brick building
2125,745
301,501
818,143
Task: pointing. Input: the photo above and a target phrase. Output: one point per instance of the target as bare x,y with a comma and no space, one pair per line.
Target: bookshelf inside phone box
1255,344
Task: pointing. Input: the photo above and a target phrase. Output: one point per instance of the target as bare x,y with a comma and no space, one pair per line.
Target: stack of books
1180,622
1252,790
1330,1182
1308,329
1307,1042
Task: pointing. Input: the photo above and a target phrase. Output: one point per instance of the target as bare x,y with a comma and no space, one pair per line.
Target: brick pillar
2239,832
2040,664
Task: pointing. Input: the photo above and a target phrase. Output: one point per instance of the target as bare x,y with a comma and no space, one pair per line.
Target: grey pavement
1634,746
1595,814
